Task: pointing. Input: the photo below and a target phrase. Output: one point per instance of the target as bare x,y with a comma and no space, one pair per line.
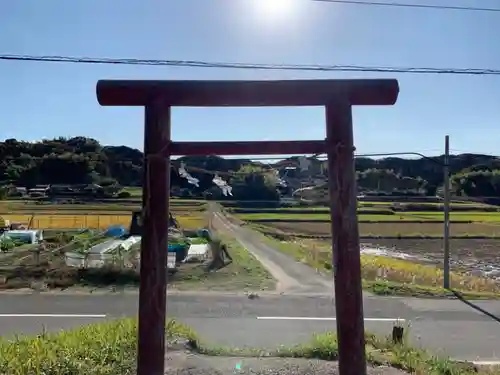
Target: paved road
268,321
292,276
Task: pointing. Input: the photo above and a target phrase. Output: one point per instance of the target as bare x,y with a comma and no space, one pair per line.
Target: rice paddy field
392,230
56,220
381,220
407,232
393,272
189,214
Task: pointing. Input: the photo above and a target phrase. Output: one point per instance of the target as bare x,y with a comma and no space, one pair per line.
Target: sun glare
275,9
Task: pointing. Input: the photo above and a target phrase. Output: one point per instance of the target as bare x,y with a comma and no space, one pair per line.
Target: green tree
253,182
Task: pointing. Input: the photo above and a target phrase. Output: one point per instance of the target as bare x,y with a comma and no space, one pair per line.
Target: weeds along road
268,321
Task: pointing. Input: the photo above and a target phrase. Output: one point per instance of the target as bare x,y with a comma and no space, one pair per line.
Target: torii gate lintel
338,97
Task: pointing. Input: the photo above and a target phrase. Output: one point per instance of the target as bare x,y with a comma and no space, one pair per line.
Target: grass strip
244,273
110,348
104,349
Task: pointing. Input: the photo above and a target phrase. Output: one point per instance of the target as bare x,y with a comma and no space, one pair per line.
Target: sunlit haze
276,12
275,8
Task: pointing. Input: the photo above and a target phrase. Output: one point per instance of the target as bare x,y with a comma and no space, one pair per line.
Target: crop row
406,217
54,221
384,229
395,202
114,208
292,211
381,209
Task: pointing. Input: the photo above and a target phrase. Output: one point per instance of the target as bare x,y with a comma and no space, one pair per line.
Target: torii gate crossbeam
338,97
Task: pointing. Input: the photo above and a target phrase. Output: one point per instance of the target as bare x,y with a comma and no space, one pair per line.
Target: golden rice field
93,221
380,268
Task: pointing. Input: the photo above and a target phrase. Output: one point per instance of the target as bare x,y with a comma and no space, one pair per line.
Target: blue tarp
115,231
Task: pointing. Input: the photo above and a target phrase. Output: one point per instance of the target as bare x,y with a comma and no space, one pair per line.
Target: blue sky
45,100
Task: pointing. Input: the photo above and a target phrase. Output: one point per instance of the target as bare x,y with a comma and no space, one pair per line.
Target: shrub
6,244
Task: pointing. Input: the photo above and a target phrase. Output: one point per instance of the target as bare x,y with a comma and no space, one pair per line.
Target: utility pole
446,209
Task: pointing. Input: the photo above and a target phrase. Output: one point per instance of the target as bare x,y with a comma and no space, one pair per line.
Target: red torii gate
338,97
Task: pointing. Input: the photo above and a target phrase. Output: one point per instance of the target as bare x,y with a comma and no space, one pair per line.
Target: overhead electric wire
433,159
323,156
271,168
411,5
252,66
320,157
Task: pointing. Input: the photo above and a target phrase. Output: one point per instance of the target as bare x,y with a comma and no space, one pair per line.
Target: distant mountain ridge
80,160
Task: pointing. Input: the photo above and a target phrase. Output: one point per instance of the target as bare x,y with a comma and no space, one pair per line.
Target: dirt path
181,363
292,277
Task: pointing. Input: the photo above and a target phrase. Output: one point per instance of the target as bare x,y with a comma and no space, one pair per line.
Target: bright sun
273,9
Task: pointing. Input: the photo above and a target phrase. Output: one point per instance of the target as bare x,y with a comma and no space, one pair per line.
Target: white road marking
326,318
52,315
486,363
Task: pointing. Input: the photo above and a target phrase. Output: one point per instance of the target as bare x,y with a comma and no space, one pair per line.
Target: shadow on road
474,306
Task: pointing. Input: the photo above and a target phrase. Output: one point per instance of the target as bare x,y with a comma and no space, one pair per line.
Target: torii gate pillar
338,97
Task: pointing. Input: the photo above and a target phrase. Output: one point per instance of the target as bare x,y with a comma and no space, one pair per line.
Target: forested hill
82,160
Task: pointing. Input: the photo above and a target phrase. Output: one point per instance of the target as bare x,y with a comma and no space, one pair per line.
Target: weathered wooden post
154,243
338,96
345,238
37,250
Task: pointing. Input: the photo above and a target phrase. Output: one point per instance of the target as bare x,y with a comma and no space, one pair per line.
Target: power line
286,160
411,5
319,157
323,156
253,66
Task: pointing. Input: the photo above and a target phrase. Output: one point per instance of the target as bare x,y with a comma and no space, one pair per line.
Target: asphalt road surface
446,326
